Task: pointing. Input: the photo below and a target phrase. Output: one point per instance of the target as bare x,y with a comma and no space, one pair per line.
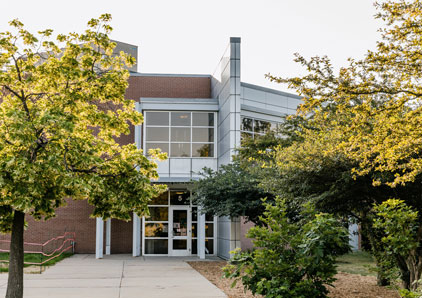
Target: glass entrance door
180,231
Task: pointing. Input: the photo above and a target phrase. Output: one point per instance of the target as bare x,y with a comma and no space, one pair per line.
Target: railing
48,250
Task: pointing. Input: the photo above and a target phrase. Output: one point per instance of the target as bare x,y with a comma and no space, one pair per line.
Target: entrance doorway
180,231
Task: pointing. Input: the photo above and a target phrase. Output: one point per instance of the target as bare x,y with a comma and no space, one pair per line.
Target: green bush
290,259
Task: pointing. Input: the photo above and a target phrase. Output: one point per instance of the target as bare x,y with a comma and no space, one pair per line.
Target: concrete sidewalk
117,276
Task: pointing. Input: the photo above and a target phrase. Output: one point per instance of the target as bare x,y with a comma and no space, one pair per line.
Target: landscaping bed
347,285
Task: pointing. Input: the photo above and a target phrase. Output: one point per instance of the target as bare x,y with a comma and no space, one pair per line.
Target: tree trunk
15,282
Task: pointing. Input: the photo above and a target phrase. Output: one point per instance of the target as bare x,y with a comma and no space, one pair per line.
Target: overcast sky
189,36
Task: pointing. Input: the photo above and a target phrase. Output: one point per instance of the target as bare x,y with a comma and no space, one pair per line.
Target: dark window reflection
261,126
156,230
161,199
156,246
247,124
179,197
158,214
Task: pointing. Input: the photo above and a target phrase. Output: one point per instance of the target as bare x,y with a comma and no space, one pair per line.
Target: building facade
199,120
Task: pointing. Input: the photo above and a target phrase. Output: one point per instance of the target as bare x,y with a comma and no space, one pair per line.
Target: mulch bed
346,286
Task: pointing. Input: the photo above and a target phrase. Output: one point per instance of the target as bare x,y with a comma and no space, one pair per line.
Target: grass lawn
31,258
358,262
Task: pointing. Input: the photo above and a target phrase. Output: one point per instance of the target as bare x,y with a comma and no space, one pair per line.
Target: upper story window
181,134
251,127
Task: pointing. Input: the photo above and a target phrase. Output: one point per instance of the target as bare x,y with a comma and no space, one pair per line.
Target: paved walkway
117,276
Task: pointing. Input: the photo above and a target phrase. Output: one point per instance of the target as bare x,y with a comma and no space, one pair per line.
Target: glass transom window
181,134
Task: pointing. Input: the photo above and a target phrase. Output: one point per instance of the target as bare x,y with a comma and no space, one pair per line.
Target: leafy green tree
62,111
400,224
291,259
231,191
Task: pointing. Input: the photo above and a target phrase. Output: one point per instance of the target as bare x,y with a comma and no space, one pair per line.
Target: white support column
136,238
108,236
99,238
201,234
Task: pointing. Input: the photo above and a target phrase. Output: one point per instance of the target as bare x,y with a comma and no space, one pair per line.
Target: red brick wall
75,216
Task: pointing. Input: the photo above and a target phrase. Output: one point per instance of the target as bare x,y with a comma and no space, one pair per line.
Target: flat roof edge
256,87
139,74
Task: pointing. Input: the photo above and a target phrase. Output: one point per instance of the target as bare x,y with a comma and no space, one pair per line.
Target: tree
292,259
370,112
231,191
62,111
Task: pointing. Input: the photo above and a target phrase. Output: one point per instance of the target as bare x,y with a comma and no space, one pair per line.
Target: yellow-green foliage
62,109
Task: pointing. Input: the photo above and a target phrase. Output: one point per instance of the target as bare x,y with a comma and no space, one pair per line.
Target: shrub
290,259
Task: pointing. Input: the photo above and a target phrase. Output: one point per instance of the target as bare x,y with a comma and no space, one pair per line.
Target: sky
190,36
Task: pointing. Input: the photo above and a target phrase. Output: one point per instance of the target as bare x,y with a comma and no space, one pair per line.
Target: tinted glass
246,124
203,119
163,146
180,134
209,230
160,200
158,214
156,230
181,197
202,134
261,126
157,118
209,246
194,229
160,134
156,246
194,213
209,217
180,119
202,150
194,247
180,223
180,244
180,150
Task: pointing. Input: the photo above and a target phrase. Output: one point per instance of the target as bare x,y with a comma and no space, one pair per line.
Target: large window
255,127
181,134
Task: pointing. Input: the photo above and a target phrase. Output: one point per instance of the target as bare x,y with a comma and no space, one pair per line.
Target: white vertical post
108,236
99,238
136,237
201,234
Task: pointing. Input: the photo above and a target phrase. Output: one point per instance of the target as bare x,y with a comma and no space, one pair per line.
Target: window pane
203,119
194,213
202,134
162,199
163,146
179,134
158,214
180,244
157,118
246,124
179,197
180,150
209,246
156,246
194,247
156,230
202,150
160,134
209,217
209,230
180,119
261,126
194,230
